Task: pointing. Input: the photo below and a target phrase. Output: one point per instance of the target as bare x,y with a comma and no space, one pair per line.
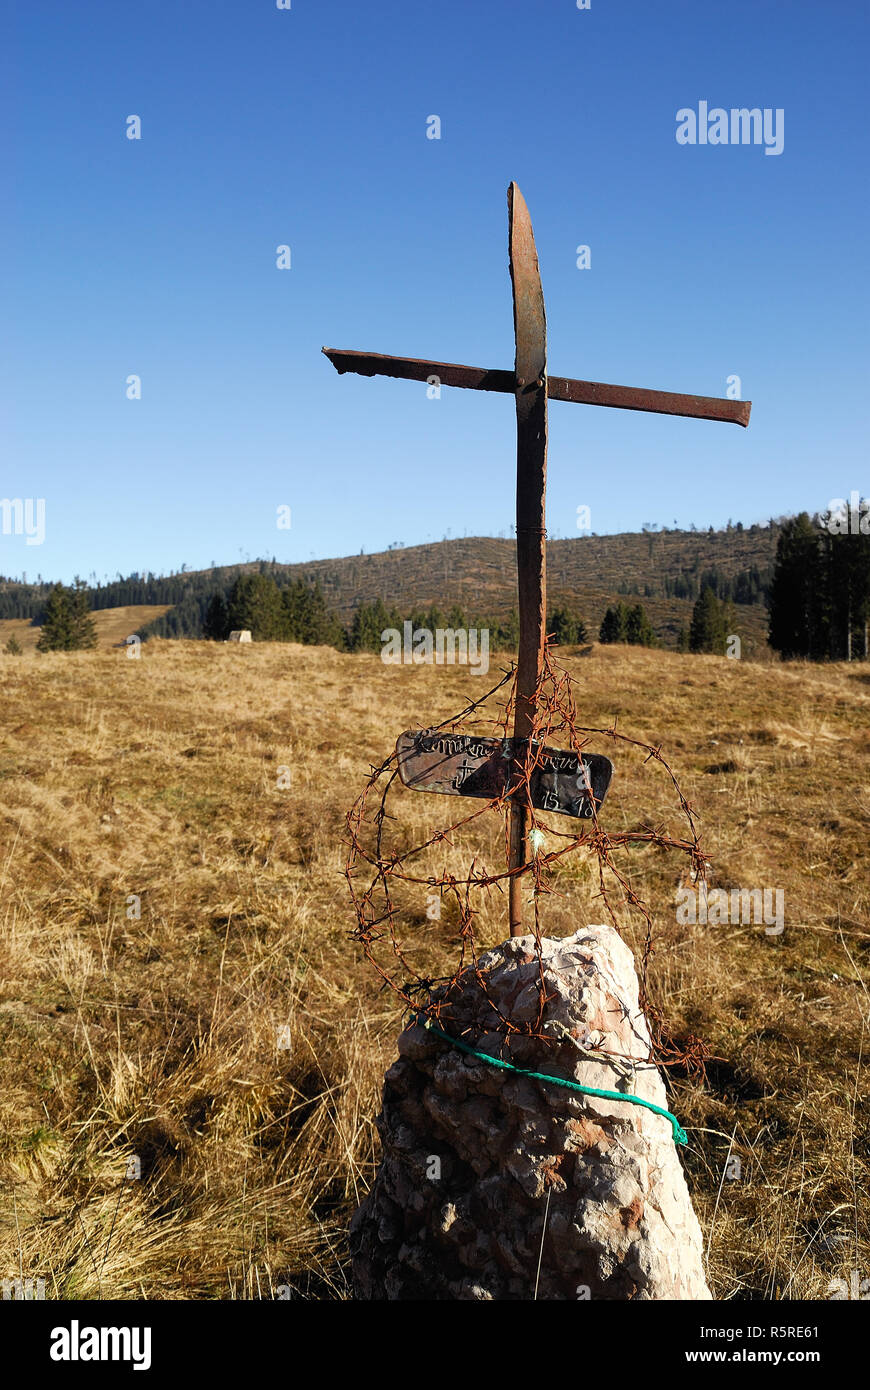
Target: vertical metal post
530,332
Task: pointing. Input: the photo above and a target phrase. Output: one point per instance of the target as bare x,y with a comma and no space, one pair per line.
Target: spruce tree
307,617
215,625
707,628
614,624
506,636
56,629
638,628
255,604
844,591
294,618
799,616
67,625
565,627
435,619
861,606
369,621
83,630
324,629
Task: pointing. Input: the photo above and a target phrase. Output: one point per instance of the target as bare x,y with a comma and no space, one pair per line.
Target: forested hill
476,573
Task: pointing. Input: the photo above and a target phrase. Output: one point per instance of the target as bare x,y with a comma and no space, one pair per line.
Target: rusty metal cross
531,387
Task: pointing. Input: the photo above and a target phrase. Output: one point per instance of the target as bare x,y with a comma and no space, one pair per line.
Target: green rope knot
680,1136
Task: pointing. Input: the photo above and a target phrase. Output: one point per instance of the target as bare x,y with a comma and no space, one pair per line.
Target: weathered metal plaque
564,782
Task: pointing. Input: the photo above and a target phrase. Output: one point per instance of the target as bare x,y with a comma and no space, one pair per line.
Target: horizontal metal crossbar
559,388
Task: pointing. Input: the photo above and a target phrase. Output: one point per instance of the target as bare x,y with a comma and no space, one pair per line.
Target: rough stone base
471,1153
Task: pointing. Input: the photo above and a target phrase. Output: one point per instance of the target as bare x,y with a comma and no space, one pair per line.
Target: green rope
680,1136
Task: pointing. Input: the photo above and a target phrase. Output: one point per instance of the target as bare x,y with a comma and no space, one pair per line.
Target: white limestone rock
471,1151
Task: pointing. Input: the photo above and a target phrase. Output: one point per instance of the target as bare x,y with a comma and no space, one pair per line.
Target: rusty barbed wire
377,912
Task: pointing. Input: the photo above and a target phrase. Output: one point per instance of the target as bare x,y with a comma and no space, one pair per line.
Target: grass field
178,990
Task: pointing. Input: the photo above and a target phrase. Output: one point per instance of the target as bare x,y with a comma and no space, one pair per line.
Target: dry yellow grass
157,783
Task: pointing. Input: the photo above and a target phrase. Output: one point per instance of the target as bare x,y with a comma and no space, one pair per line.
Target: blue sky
307,127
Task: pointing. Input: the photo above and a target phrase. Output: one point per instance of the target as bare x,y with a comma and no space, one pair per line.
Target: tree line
299,612
187,590
818,597
820,591
746,587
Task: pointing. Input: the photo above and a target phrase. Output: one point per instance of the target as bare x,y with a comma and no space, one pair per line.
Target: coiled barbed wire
375,906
